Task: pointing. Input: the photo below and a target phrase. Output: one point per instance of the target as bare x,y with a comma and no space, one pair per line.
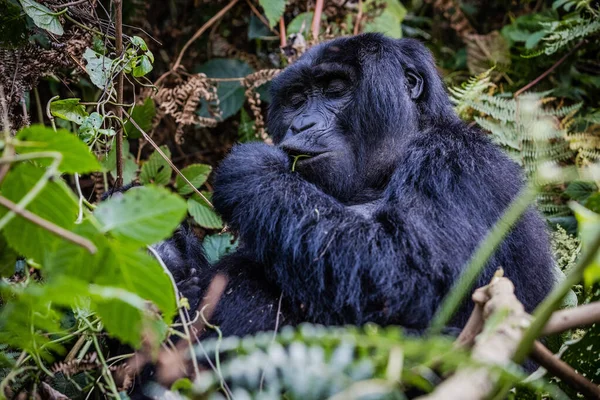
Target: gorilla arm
341,266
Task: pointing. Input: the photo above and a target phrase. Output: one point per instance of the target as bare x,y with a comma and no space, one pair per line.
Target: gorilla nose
302,124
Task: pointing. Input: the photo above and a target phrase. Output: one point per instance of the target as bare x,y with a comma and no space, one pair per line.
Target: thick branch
494,347
570,318
562,370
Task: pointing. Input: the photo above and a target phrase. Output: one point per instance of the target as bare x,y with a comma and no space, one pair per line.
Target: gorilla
368,206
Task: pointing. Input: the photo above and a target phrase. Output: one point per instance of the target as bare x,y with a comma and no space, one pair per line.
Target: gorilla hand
248,172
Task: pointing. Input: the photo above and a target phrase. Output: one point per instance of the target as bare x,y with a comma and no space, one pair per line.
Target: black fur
378,224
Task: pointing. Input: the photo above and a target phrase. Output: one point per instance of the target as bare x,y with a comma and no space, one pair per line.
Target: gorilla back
372,200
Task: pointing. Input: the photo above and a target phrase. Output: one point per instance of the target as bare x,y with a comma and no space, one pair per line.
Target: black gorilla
369,205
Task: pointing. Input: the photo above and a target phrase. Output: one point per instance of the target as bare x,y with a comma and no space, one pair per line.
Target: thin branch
570,318
72,3
38,106
316,22
562,370
49,226
358,17
119,48
552,68
200,31
163,155
8,148
282,35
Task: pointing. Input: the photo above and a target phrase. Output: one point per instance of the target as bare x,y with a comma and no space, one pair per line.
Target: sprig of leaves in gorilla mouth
296,158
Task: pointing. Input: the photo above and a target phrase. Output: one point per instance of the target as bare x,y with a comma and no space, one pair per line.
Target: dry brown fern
69,368
182,99
458,20
252,82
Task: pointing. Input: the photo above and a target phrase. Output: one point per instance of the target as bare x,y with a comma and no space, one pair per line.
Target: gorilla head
345,108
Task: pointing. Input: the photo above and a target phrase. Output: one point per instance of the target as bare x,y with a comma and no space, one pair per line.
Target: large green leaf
42,16
231,94
69,109
144,214
76,155
580,190
98,67
273,10
196,174
302,22
157,170
143,115
389,21
70,260
203,214
55,203
216,246
589,224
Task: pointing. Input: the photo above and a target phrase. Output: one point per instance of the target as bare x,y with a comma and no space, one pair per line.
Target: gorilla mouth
301,157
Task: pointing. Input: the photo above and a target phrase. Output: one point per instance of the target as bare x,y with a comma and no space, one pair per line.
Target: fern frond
561,33
470,91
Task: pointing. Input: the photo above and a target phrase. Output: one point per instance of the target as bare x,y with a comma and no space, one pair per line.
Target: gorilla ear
414,83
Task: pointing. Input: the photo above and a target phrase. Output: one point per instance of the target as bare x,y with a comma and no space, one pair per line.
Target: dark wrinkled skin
381,218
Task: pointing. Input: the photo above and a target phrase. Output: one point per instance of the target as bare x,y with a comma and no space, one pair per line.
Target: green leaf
90,126
589,224
231,94
98,67
157,170
70,260
216,246
137,275
301,23
143,67
579,190
76,155
55,203
273,10
69,109
129,168
143,115
256,29
389,21
139,42
42,16
246,128
203,214
197,174
144,214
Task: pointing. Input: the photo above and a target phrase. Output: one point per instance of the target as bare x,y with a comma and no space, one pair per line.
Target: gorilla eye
336,87
296,99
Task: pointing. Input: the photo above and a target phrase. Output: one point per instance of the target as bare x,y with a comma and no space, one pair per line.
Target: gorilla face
340,112
316,137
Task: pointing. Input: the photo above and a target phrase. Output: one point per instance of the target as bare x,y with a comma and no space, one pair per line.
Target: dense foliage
182,83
